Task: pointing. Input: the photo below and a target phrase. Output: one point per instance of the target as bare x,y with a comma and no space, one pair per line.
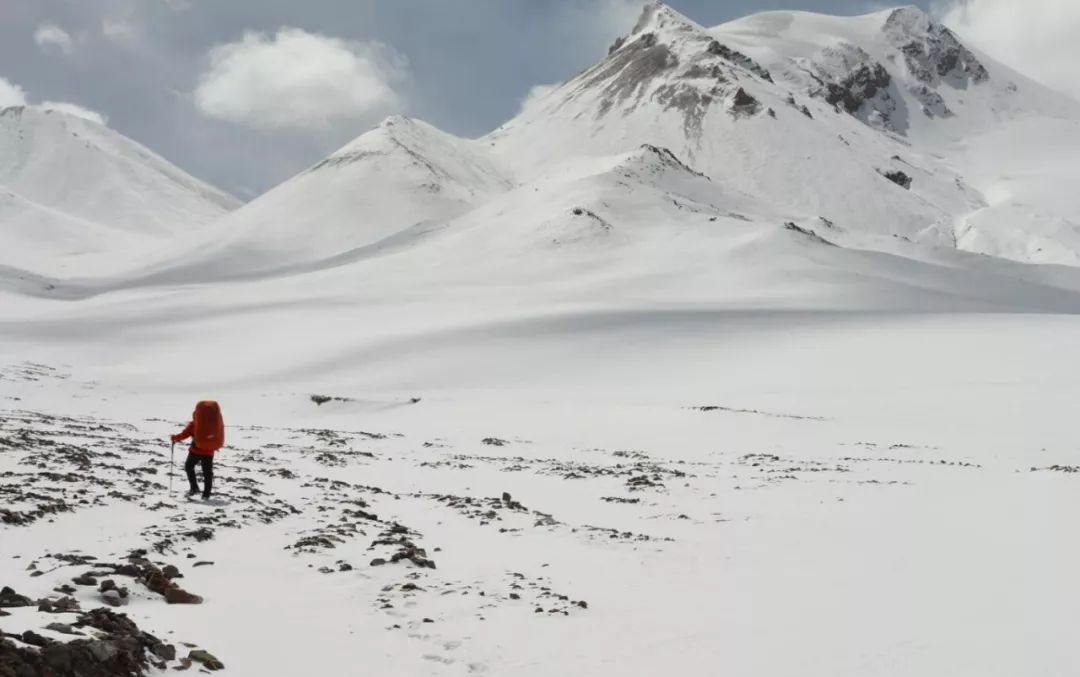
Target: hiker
207,433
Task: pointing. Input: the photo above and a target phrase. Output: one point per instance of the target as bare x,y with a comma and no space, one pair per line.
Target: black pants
207,463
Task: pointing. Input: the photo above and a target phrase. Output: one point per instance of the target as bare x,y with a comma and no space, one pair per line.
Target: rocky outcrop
932,104
742,104
932,52
739,59
850,80
120,648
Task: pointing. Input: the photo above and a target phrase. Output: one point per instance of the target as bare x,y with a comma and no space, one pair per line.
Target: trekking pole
172,451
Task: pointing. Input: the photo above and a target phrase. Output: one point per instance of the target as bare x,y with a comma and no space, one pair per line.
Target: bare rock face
742,104
933,105
624,74
739,59
850,78
932,52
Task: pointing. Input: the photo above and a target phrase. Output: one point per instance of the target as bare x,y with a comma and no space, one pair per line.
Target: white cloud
14,95
74,109
49,35
1036,37
535,96
11,94
298,80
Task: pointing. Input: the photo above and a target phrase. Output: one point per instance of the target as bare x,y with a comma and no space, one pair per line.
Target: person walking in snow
207,432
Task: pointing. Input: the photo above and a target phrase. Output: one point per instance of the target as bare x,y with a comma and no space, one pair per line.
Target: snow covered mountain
392,183
872,132
849,119
72,190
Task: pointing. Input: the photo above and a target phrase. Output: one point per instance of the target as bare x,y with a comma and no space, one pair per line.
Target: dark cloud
469,64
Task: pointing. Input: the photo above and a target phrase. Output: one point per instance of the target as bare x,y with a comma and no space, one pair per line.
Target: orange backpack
209,426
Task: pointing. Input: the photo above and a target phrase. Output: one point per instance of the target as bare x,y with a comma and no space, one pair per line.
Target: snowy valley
749,349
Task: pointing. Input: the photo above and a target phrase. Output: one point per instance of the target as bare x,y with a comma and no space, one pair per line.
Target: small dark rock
113,598
899,178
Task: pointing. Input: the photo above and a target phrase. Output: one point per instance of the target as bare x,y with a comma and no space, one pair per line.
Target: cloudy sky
244,93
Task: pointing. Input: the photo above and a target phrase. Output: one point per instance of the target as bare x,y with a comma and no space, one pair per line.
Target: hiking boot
206,497
192,492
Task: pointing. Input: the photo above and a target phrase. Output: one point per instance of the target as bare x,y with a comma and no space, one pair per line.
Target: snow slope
381,190
872,495
71,189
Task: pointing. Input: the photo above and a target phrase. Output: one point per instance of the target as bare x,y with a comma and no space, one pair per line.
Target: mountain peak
932,52
658,17
910,16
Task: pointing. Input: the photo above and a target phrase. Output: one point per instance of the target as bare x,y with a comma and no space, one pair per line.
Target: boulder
11,599
207,659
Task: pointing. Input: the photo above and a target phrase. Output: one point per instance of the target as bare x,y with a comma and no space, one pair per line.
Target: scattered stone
59,606
202,564
62,628
378,562
169,571
85,579
201,534
495,441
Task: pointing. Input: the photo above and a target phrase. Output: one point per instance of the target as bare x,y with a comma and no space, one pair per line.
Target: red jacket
188,431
